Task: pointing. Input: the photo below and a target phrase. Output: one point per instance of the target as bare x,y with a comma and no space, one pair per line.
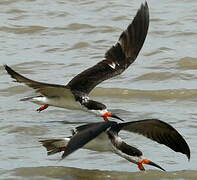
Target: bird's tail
54,146
26,99
40,100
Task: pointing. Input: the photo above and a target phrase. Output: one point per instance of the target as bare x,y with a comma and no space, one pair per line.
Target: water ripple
58,172
22,29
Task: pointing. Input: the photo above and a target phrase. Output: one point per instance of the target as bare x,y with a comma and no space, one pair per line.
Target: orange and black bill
109,114
146,161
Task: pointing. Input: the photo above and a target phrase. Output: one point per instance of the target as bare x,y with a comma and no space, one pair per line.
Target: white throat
99,112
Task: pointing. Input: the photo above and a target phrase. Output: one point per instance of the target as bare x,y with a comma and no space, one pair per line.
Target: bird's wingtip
5,66
145,7
188,155
144,4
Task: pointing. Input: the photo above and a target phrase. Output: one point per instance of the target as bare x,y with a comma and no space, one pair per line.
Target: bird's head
100,110
107,114
130,153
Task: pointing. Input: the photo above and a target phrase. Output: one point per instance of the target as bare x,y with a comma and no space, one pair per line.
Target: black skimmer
74,95
154,129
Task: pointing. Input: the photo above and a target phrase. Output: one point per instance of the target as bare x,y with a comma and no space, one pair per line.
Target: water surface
52,41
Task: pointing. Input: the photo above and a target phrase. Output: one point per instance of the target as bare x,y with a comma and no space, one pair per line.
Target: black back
84,135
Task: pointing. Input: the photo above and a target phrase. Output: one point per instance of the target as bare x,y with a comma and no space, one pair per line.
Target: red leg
105,118
42,108
141,167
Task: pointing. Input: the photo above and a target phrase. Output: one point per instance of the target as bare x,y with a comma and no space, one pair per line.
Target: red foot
42,108
62,149
105,118
141,167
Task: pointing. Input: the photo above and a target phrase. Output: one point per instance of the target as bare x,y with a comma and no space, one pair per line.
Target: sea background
52,41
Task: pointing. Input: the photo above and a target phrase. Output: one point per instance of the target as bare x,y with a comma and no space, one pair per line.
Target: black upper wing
118,57
85,134
160,132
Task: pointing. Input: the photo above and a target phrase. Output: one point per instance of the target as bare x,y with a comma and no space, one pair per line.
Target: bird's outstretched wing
43,88
118,57
84,135
158,131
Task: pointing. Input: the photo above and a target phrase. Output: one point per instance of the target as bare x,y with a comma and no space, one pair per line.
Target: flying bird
74,95
95,136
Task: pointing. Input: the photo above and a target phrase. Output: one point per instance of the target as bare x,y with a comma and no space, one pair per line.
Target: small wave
154,95
75,26
59,172
187,63
156,19
79,46
104,29
15,11
22,29
182,34
51,50
161,76
8,2
157,51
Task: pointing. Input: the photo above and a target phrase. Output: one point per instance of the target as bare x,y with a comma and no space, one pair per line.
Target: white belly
63,102
101,143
